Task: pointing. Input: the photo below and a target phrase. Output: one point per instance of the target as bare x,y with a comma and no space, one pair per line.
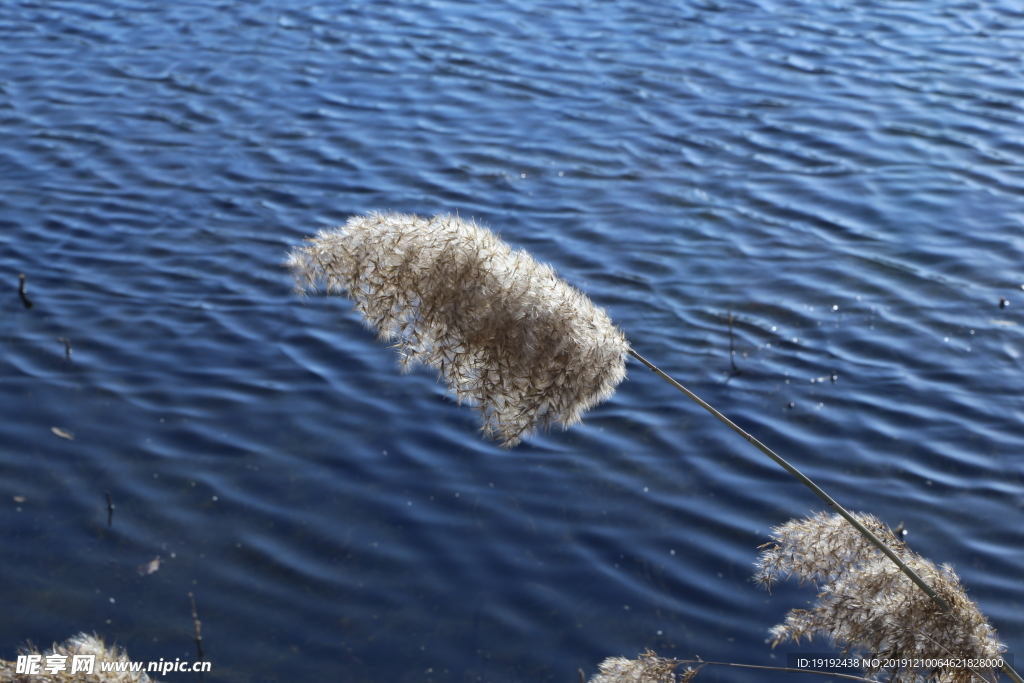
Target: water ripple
808,214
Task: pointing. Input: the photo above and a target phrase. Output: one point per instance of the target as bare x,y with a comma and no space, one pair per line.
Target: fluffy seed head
508,336
647,668
867,606
81,644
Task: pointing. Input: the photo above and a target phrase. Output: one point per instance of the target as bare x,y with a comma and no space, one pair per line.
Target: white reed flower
507,335
647,668
81,644
867,606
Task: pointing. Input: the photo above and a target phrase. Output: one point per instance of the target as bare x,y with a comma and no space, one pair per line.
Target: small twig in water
21,290
732,352
110,509
67,346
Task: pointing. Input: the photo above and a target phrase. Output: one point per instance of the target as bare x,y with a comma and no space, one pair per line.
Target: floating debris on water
63,433
67,346
21,290
150,567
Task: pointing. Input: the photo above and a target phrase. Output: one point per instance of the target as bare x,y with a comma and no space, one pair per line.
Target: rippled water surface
844,180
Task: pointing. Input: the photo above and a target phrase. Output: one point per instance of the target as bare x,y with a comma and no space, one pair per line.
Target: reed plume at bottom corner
867,606
647,668
63,654
508,336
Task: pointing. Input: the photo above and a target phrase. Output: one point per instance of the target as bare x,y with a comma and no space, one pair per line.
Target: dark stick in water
67,346
110,509
21,290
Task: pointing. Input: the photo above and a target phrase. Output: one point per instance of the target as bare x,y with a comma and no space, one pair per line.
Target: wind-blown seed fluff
507,335
868,606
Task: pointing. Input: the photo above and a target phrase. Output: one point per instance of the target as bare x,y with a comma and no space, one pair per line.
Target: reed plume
508,336
867,606
81,644
647,668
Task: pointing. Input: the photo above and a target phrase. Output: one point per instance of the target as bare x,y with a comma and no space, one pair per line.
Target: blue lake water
844,179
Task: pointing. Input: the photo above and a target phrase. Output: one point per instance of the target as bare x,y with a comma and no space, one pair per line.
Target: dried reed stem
806,481
650,668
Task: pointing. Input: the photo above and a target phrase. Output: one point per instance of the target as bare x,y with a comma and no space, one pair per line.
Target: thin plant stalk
783,669
650,668
806,481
